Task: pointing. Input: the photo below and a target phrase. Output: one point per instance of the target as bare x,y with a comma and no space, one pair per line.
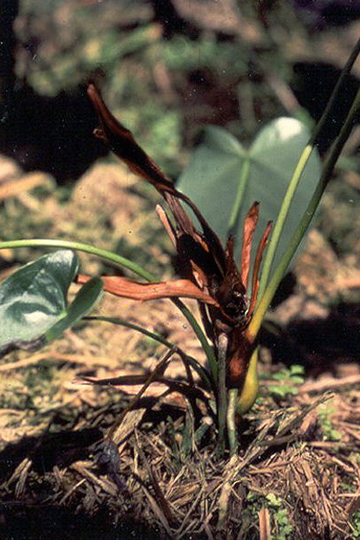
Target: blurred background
167,67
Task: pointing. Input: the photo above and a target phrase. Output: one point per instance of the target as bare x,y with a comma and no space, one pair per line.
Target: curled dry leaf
127,288
123,144
250,223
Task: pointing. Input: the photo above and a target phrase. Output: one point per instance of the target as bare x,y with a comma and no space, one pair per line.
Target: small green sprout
280,515
291,378
325,412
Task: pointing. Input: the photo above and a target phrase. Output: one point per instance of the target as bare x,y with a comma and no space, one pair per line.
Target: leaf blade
34,298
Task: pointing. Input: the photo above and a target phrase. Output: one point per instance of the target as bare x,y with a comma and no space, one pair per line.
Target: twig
164,506
264,524
136,399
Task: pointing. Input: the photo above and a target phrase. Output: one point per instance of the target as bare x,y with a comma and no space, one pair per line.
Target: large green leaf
33,301
217,168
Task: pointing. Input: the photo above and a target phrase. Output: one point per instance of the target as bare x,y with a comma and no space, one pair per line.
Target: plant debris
170,476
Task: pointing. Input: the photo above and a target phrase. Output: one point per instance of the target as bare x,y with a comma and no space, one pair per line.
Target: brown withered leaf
127,288
256,271
250,223
241,344
210,271
231,294
203,259
124,145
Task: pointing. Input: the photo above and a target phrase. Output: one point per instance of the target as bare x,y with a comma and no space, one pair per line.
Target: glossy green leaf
34,298
220,164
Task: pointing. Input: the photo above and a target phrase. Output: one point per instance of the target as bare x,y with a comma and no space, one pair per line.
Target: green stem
200,335
137,328
284,210
230,418
234,216
265,301
108,256
221,388
314,139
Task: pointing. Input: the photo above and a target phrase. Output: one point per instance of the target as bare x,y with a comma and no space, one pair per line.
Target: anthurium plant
223,268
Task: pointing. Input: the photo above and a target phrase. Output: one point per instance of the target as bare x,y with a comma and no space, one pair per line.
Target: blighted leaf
257,263
123,144
216,170
33,299
127,288
249,229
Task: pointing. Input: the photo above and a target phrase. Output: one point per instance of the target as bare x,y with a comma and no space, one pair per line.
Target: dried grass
186,490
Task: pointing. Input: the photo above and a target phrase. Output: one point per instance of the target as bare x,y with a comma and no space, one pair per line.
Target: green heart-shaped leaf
221,166
33,301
